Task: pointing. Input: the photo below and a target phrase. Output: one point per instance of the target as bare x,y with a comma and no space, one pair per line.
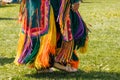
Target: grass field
101,62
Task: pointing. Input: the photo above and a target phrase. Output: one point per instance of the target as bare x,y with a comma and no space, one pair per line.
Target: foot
67,68
71,69
49,70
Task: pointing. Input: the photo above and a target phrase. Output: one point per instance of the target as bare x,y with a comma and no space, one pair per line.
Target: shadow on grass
7,5
8,19
77,76
5,60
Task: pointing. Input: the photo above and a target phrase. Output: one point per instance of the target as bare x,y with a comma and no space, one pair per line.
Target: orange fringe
74,64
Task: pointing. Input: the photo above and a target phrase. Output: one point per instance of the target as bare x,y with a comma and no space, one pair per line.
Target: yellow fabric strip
47,44
20,47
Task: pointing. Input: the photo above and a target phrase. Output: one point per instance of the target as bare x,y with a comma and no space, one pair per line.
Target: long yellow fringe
47,44
20,47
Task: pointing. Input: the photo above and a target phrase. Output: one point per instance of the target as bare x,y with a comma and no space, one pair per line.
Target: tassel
84,48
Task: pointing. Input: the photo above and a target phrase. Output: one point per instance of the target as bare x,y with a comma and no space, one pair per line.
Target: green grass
101,62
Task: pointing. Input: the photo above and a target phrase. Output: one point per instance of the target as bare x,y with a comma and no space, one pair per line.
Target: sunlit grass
102,61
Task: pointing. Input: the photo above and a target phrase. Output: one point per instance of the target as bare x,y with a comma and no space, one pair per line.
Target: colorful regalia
72,33
50,28
37,40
